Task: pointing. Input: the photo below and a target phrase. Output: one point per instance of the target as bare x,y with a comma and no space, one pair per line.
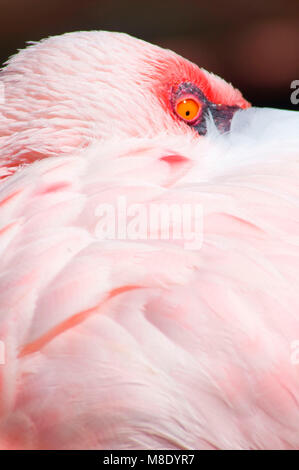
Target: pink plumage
141,343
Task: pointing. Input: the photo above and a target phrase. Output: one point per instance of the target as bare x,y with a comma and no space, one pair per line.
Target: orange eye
188,109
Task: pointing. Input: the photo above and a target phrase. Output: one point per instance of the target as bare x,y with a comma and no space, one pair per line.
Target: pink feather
126,344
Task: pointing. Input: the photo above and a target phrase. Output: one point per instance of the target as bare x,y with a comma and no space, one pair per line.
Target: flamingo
134,339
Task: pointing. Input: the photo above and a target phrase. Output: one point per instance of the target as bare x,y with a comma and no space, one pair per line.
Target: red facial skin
171,74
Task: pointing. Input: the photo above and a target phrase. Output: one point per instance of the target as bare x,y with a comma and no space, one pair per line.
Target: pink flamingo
127,342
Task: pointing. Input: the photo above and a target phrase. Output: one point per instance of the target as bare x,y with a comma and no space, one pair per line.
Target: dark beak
221,114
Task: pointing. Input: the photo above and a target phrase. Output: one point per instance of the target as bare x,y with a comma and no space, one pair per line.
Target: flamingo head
65,92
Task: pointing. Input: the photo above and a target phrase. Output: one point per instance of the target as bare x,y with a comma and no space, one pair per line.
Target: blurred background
253,44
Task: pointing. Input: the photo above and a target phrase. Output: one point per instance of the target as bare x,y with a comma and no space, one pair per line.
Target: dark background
253,44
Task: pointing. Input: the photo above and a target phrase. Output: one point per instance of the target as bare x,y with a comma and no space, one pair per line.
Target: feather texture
126,344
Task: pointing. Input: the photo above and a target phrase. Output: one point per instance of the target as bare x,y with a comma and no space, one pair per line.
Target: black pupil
187,113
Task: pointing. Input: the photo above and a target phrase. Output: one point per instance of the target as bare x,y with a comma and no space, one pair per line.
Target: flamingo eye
188,109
